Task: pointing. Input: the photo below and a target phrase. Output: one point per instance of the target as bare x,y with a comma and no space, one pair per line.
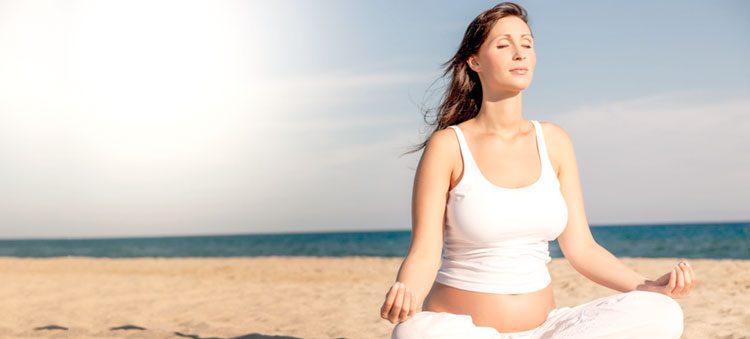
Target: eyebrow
502,35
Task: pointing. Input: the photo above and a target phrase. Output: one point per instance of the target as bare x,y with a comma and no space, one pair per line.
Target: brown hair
463,98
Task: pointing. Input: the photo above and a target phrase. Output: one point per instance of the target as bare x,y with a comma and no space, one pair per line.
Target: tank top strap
543,155
468,161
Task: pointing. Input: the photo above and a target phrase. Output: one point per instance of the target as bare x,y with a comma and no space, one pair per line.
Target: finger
396,309
413,308
672,282
406,306
389,297
692,274
389,301
396,306
680,281
689,281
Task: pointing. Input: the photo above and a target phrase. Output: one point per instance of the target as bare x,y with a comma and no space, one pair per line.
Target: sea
697,240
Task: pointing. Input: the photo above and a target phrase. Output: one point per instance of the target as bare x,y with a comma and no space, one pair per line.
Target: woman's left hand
676,283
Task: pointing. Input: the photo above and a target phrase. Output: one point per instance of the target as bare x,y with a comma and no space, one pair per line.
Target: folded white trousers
634,314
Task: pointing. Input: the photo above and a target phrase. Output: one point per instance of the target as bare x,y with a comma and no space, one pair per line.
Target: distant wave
723,240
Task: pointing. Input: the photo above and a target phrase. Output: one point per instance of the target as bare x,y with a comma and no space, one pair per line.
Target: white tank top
495,239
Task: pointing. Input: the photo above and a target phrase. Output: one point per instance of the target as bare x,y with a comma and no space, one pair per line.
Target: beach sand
285,297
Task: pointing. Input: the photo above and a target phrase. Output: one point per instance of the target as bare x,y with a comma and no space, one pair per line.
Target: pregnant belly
504,312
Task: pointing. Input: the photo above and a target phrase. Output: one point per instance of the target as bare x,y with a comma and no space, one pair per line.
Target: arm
576,242
431,183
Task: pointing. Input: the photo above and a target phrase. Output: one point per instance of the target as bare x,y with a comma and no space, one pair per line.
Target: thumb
664,279
657,285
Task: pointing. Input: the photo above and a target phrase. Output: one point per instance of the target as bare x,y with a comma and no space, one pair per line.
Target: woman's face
509,45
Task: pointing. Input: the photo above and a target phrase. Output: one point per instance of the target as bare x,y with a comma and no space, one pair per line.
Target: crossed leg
634,314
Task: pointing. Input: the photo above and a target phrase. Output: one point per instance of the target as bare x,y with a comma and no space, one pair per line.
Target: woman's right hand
400,304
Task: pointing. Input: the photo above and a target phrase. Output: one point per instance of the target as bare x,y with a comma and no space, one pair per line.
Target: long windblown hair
463,97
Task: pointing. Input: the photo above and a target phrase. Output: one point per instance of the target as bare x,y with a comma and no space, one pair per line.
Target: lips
519,71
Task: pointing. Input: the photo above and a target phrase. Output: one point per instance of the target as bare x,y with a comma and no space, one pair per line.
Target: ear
472,62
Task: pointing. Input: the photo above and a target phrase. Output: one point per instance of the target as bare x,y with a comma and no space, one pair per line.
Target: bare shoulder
443,145
555,133
559,143
440,159
445,137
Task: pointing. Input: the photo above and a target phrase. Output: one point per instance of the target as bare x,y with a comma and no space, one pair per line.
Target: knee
406,330
664,313
673,318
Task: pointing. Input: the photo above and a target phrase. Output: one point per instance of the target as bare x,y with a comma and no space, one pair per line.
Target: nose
519,52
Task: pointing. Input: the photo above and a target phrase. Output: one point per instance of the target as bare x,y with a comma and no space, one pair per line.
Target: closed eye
501,46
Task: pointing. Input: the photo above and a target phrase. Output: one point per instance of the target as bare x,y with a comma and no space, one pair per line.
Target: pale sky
147,118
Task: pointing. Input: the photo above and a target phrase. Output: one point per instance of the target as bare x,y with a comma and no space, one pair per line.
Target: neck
502,115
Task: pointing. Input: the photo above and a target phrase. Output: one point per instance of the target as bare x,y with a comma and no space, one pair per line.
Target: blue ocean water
720,240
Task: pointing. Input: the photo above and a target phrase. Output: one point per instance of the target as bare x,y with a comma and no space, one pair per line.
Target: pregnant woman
491,190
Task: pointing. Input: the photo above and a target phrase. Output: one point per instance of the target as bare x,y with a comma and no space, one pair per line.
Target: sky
156,118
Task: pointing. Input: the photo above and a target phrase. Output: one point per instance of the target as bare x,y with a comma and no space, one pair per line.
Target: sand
285,297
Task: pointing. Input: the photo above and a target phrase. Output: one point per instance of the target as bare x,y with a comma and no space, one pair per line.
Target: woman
491,190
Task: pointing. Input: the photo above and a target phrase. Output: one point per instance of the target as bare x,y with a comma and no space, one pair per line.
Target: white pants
634,314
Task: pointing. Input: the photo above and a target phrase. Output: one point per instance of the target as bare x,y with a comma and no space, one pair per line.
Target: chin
517,88
521,84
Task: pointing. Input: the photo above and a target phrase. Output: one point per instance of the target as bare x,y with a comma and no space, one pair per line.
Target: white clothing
634,314
495,238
